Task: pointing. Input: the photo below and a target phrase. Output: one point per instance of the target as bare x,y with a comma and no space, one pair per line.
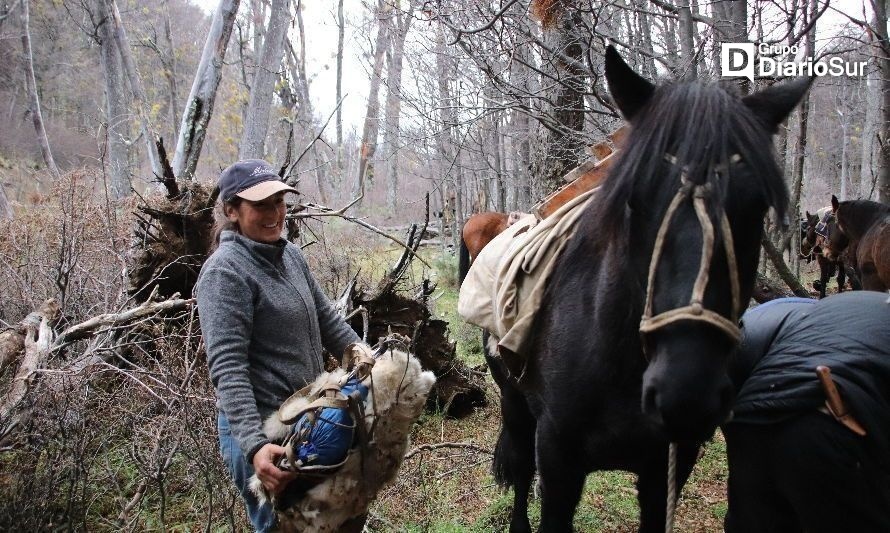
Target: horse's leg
652,485
855,284
463,263
824,275
562,476
841,276
514,453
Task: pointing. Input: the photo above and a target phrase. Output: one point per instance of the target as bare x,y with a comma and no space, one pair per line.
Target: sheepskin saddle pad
397,391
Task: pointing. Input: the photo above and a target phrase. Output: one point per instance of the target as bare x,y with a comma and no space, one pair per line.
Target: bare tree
199,107
883,60
117,114
140,101
256,125
341,30
31,89
564,53
394,99
372,114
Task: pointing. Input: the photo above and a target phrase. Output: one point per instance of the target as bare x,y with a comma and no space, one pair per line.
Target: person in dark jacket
792,465
264,319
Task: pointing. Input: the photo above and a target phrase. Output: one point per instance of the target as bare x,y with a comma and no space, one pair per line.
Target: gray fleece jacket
264,320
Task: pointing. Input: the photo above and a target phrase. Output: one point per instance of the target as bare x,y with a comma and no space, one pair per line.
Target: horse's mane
861,213
702,125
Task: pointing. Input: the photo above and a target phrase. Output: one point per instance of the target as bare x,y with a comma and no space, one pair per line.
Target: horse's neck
872,213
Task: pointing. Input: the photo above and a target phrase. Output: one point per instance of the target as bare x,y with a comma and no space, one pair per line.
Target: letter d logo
737,60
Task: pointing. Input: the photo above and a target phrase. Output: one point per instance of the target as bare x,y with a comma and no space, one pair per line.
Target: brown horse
478,231
816,230
864,230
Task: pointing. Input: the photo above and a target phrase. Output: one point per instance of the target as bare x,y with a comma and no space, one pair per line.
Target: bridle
822,235
698,194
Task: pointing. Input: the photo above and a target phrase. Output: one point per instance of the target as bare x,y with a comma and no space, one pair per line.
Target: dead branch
311,143
449,445
778,262
40,342
37,342
322,211
89,327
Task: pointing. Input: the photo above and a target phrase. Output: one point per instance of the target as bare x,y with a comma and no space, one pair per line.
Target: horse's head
838,240
692,188
808,235
819,228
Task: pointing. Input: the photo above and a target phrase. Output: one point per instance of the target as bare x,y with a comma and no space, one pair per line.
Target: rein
695,311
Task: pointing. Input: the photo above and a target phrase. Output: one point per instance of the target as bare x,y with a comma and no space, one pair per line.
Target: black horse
819,227
672,238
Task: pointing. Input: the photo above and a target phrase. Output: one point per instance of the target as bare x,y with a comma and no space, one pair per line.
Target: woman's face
260,221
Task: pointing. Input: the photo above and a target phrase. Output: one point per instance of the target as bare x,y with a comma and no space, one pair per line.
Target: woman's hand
273,478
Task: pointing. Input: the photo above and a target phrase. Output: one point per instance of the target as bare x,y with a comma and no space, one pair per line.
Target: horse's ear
629,90
809,216
773,104
834,203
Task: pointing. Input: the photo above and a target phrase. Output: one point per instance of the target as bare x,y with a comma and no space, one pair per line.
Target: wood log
38,340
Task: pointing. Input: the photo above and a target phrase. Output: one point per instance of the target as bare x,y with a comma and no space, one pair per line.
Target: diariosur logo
740,60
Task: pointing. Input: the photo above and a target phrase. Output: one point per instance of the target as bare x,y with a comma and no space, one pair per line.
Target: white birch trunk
256,125
199,107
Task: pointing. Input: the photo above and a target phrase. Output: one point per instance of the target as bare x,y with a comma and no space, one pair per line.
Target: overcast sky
320,21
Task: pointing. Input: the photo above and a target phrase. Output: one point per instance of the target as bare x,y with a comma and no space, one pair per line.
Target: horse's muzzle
684,412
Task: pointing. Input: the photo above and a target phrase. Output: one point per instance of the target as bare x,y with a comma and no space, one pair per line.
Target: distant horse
864,231
631,344
819,227
478,231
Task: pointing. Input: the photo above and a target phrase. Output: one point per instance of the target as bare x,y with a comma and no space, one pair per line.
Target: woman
264,319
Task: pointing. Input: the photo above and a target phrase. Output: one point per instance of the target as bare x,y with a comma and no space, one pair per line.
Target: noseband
695,311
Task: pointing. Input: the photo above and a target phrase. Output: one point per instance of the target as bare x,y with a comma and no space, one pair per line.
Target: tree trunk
563,144
305,110
33,97
199,107
730,25
883,59
394,100
5,209
170,70
341,31
372,118
870,130
688,67
117,112
140,102
256,125
520,76
444,141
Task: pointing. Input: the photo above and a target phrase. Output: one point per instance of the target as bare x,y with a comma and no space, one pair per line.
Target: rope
672,488
695,311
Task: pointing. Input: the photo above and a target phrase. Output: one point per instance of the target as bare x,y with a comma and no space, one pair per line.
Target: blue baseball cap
251,179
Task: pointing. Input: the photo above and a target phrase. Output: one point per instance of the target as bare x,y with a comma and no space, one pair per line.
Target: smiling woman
265,321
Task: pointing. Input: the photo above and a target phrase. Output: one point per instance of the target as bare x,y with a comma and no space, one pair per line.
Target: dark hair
221,222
